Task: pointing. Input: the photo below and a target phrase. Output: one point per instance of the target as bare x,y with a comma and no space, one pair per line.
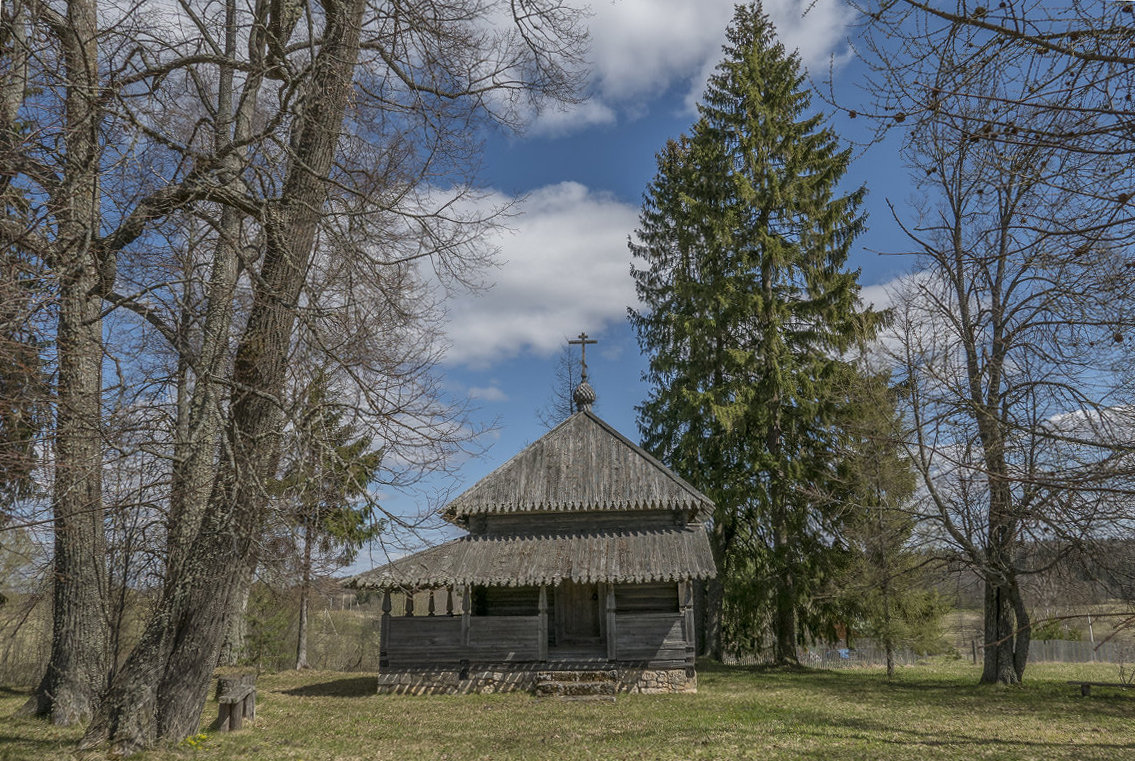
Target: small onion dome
584,397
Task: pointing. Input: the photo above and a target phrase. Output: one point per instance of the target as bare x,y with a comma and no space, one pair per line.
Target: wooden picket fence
830,658
1040,651
1069,651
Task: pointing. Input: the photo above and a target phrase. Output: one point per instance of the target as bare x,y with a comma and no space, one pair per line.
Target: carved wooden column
542,628
612,635
384,629
686,600
466,604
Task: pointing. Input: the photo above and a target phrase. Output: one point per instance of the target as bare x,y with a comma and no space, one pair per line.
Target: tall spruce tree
748,309
325,489
883,589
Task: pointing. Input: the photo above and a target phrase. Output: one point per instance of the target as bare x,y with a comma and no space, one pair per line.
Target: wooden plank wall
651,636
646,598
437,640
507,601
509,638
649,622
423,638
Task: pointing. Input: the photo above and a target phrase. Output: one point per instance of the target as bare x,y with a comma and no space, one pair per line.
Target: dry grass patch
928,712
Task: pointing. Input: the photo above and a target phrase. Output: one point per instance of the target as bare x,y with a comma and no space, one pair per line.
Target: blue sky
564,264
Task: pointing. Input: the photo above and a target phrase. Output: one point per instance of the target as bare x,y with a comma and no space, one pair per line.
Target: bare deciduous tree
560,405
1012,336
1009,337
1065,79
367,112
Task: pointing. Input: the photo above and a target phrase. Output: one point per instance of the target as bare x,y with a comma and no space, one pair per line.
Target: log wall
646,598
639,637
652,637
424,639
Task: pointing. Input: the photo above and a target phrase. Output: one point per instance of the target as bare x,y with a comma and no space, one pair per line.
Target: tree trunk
713,645
305,591
999,664
784,650
1002,599
77,670
784,591
161,690
236,626
79,664
1023,637
784,602
195,455
888,636
201,415
715,594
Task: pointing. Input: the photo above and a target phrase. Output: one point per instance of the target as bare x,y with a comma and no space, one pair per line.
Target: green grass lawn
928,712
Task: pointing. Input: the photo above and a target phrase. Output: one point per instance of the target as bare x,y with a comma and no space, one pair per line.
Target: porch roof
678,554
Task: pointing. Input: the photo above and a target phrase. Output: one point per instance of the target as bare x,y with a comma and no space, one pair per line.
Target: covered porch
570,623
599,598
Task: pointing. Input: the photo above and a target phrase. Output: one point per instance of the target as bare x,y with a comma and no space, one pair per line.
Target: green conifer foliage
748,308
884,588
325,490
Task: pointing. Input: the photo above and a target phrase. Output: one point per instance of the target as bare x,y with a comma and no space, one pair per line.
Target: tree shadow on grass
887,733
1048,698
355,687
765,672
16,746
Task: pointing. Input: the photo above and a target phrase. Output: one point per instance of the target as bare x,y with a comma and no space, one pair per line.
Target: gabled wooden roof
581,464
619,557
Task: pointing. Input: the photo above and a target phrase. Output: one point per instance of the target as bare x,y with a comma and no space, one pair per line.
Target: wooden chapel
581,556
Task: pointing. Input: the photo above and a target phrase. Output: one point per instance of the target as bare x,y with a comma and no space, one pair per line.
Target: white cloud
880,296
564,268
561,120
488,394
642,48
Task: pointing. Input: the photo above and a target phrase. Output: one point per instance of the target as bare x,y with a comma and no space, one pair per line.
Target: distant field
963,625
929,712
338,639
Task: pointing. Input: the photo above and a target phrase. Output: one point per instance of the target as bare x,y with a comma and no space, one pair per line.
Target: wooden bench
1086,687
236,698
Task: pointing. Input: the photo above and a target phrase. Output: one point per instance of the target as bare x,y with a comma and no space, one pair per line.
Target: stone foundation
659,680
494,678
453,681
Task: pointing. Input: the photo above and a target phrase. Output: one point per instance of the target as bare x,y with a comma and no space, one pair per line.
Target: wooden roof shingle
621,557
580,465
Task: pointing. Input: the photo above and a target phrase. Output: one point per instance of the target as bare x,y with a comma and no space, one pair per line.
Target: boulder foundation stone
493,678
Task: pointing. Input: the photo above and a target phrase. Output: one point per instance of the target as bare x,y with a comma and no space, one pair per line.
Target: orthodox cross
582,342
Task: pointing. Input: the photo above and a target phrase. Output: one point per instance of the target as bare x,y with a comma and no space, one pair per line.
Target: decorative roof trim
635,557
575,507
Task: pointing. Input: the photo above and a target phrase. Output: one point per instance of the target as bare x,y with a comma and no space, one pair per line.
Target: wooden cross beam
582,342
